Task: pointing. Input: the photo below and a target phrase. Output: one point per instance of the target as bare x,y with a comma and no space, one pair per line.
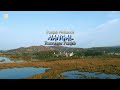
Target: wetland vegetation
62,59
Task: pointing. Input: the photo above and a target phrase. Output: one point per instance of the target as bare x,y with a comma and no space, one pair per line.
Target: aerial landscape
58,60
60,45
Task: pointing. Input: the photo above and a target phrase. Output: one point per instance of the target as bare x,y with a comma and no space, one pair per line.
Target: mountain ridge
41,48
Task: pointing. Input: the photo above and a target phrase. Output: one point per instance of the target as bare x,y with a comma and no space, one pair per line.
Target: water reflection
88,75
5,60
19,73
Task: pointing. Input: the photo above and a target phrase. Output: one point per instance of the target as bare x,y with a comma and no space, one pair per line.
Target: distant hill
118,46
34,49
108,49
66,49
60,52
31,49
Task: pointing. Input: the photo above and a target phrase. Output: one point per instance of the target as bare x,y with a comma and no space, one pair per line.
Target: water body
9,60
20,73
89,75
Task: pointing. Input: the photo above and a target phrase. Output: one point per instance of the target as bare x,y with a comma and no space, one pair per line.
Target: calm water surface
19,73
89,75
9,60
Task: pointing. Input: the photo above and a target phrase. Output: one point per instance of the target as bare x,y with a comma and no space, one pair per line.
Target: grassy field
110,65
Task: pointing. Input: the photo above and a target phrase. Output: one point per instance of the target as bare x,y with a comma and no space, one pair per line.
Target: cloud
108,23
113,21
115,12
100,26
5,16
87,37
105,34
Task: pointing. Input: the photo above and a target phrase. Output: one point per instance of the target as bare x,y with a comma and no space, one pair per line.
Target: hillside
61,52
31,49
34,49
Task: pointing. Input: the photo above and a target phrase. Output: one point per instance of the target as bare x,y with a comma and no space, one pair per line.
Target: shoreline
111,66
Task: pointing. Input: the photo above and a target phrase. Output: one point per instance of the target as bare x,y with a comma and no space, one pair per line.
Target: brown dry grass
97,65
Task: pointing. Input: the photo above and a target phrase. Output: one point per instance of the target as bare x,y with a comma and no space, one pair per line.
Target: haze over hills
41,48
33,49
116,46
60,52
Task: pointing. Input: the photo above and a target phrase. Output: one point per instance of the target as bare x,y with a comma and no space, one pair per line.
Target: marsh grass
111,66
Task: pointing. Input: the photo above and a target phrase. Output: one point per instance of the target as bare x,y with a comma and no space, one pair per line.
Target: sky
28,28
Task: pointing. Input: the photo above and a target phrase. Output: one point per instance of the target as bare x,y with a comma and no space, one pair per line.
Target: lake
88,75
20,73
9,60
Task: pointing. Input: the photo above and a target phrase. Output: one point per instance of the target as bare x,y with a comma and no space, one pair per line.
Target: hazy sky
28,28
